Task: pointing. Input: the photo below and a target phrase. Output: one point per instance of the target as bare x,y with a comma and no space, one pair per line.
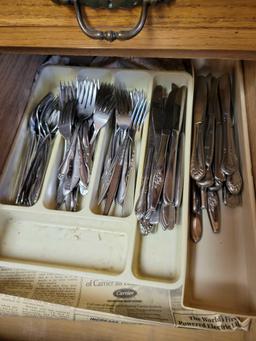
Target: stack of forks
130,113
86,107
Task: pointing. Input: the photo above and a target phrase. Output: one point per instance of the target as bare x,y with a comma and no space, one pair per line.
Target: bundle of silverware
85,108
215,162
162,185
42,128
130,112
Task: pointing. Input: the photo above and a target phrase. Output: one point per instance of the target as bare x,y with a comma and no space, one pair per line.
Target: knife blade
197,166
157,108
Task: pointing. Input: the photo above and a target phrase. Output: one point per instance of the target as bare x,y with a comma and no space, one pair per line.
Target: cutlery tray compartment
158,255
88,242
221,272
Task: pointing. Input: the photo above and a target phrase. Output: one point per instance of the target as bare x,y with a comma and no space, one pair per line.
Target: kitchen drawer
249,70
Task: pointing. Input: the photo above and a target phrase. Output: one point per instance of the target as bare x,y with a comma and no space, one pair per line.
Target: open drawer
220,275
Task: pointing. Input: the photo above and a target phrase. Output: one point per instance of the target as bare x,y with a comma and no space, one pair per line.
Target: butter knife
176,124
157,115
159,170
229,161
197,165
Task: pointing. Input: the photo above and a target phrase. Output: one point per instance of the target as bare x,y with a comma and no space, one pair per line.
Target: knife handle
121,193
213,210
112,188
197,166
170,176
234,182
229,162
141,204
159,173
196,227
167,216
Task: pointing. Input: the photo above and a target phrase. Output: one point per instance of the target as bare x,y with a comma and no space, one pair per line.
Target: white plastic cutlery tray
87,242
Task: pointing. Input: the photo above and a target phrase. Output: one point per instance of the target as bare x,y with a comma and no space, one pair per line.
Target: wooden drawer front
203,27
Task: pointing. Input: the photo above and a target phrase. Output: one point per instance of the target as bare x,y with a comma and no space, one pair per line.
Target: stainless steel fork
86,97
104,107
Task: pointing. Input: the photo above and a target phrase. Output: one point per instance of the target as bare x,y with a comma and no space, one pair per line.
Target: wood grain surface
16,76
213,27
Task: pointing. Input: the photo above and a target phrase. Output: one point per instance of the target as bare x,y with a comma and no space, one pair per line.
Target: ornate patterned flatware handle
109,35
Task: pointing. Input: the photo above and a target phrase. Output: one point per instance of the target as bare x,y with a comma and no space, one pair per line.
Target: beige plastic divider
86,242
221,273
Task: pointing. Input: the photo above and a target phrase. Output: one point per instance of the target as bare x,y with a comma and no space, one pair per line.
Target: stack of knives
215,160
162,183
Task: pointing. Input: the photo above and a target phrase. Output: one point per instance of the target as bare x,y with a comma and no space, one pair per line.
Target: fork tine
143,115
139,110
94,93
86,90
90,90
135,112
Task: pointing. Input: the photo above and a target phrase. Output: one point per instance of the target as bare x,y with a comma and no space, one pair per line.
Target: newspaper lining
55,296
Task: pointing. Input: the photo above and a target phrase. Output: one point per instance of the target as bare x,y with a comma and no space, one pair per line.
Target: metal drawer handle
107,35
110,35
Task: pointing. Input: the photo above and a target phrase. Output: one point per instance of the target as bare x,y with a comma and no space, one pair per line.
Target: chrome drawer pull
109,35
